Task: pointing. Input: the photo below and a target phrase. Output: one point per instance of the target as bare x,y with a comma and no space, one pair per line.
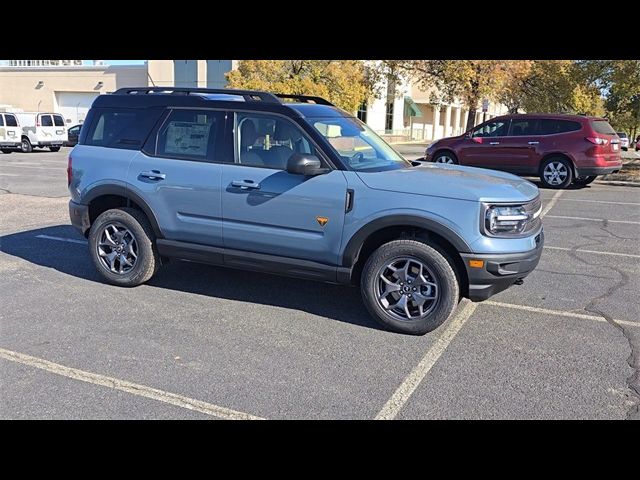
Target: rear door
59,130
483,148
611,151
9,130
520,148
178,174
45,130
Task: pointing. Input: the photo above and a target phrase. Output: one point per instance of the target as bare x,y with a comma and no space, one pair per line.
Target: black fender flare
352,250
123,191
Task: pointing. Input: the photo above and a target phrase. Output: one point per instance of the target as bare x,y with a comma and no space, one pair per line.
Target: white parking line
597,201
551,203
559,313
61,239
402,394
592,251
128,387
595,219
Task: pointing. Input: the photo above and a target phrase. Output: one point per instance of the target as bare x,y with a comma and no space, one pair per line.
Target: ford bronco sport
292,185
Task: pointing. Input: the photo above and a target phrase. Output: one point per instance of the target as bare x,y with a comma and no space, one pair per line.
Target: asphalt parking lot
206,342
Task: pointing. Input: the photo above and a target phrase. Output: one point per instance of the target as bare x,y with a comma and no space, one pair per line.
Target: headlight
511,220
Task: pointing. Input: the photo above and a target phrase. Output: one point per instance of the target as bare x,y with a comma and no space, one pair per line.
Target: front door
269,211
179,175
482,148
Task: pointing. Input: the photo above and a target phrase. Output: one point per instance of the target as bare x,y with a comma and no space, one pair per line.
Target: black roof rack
305,98
248,95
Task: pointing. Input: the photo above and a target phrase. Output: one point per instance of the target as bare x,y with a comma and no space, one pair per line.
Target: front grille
532,208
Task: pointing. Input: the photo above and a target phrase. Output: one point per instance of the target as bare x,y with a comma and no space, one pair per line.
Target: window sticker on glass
189,138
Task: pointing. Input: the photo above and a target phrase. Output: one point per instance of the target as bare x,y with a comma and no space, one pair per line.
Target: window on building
388,121
362,112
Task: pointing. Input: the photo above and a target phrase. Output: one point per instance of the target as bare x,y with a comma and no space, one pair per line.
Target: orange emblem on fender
322,221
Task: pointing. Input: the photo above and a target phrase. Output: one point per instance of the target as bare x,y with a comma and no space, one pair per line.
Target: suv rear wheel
409,287
121,245
445,157
556,172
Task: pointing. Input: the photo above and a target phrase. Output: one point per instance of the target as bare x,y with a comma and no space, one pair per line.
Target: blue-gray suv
292,185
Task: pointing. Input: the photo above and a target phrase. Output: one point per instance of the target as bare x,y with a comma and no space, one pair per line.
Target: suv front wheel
409,287
556,172
121,245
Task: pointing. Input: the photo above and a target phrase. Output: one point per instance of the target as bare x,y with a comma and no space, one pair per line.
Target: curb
618,183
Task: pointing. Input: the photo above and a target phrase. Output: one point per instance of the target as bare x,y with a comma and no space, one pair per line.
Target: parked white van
10,132
42,130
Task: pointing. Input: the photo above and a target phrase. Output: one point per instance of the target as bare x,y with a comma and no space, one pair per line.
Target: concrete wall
19,85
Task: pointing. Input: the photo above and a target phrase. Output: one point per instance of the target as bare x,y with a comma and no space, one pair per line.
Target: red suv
560,149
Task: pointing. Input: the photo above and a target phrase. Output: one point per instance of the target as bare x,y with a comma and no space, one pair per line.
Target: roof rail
248,95
305,98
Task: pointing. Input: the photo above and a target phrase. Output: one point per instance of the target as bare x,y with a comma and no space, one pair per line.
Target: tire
563,168
54,149
581,181
147,262
445,157
6,151
435,268
25,146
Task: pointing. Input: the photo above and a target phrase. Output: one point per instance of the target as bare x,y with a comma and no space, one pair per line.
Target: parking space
206,342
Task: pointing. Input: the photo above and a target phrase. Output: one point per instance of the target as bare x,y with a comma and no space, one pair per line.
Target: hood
453,181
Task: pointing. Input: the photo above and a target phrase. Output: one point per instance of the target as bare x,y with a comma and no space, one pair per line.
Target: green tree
623,95
346,83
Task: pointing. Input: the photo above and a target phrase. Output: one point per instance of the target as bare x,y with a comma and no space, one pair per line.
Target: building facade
65,89
189,73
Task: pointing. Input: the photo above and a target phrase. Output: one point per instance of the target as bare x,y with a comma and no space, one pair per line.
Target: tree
513,90
623,95
346,83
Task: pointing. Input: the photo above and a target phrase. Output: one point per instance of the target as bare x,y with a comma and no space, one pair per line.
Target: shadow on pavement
331,301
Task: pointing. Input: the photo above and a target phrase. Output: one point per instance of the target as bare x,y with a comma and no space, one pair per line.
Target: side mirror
305,164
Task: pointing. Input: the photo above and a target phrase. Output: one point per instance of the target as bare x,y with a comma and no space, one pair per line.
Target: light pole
39,102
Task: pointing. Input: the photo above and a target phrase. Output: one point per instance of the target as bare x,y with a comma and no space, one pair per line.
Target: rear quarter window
125,128
602,126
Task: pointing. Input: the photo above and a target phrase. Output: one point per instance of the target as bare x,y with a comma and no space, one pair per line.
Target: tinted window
522,127
268,141
602,126
11,121
549,126
45,121
189,134
491,129
121,128
1,121
620,134
58,121
74,130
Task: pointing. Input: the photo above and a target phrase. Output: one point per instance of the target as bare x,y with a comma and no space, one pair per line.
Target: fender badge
322,221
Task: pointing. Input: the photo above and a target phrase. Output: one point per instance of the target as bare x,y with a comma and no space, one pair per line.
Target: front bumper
500,271
79,215
590,171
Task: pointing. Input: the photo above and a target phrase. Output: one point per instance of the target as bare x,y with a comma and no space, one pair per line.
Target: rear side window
189,135
11,121
620,134
1,121
523,127
602,126
45,121
121,128
549,126
58,121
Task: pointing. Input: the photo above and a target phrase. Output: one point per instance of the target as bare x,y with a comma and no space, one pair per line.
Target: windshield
358,146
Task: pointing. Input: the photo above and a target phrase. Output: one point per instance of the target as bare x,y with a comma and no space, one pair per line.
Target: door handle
494,143
153,175
245,184
534,143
